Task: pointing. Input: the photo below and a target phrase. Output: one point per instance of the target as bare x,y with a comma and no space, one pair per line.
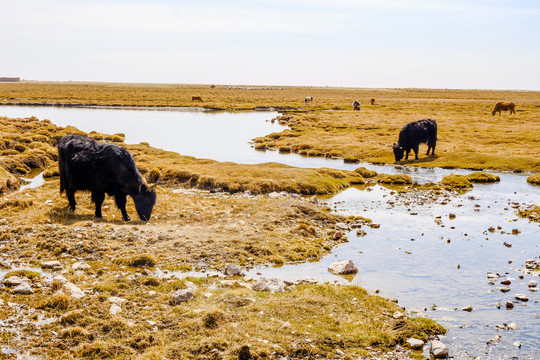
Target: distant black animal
100,168
356,105
372,101
308,99
412,135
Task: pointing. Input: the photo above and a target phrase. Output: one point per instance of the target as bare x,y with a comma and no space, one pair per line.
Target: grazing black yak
412,135
356,105
504,106
100,168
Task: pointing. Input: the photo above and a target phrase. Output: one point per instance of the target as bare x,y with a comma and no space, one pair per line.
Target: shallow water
413,257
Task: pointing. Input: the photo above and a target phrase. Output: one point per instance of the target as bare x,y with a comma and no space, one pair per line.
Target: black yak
412,135
504,106
308,99
100,168
356,105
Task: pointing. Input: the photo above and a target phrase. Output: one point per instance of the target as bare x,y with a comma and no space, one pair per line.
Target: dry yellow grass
469,136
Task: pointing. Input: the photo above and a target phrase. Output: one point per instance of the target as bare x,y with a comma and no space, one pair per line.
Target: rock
515,231
438,349
269,284
494,340
509,305
180,296
521,297
73,291
60,278
398,315
533,283
232,270
116,300
503,289
337,235
115,309
467,308
5,264
286,325
342,226
512,326
517,344
80,265
24,289
492,276
506,282
14,281
415,344
343,267
53,265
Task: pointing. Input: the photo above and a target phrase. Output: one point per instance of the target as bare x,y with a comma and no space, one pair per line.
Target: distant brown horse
196,98
504,106
356,105
372,101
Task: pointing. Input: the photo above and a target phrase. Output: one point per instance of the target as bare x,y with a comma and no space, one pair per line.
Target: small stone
24,289
14,281
79,265
232,270
115,309
509,305
451,216
180,296
286,325
415,344
73,291
521,297
515,231
512,326
438,349
53,265
116,300
503,289
517,344
269,284
467,308
494,340
533,283
343,267
60,278
506,282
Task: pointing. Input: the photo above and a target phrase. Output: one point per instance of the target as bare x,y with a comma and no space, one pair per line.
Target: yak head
144,201
398,151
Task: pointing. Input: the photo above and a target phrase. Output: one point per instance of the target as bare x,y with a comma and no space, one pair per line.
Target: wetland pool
432,264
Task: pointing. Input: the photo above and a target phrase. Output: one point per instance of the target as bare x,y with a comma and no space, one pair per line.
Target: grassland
189,231
201,230
469,136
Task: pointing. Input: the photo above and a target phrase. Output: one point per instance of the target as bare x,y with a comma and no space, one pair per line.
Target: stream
435,264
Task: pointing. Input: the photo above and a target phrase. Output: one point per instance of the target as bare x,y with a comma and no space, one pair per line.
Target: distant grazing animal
212,86
412,135
100,168
372,101
308,99
196,98
504,106
356,105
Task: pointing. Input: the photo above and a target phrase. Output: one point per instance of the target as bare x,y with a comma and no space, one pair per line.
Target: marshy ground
228,219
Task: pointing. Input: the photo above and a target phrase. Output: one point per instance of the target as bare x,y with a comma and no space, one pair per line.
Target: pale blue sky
356,43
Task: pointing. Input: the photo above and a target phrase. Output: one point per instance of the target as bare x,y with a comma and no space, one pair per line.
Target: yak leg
415,148
71,199
120,200
98,198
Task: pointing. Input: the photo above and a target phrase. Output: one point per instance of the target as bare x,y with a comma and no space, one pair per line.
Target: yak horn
153,186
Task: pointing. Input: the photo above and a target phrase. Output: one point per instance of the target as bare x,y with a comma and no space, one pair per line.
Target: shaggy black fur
412,135
86,164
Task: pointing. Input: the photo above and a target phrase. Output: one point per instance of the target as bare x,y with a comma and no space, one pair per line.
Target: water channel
433,264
